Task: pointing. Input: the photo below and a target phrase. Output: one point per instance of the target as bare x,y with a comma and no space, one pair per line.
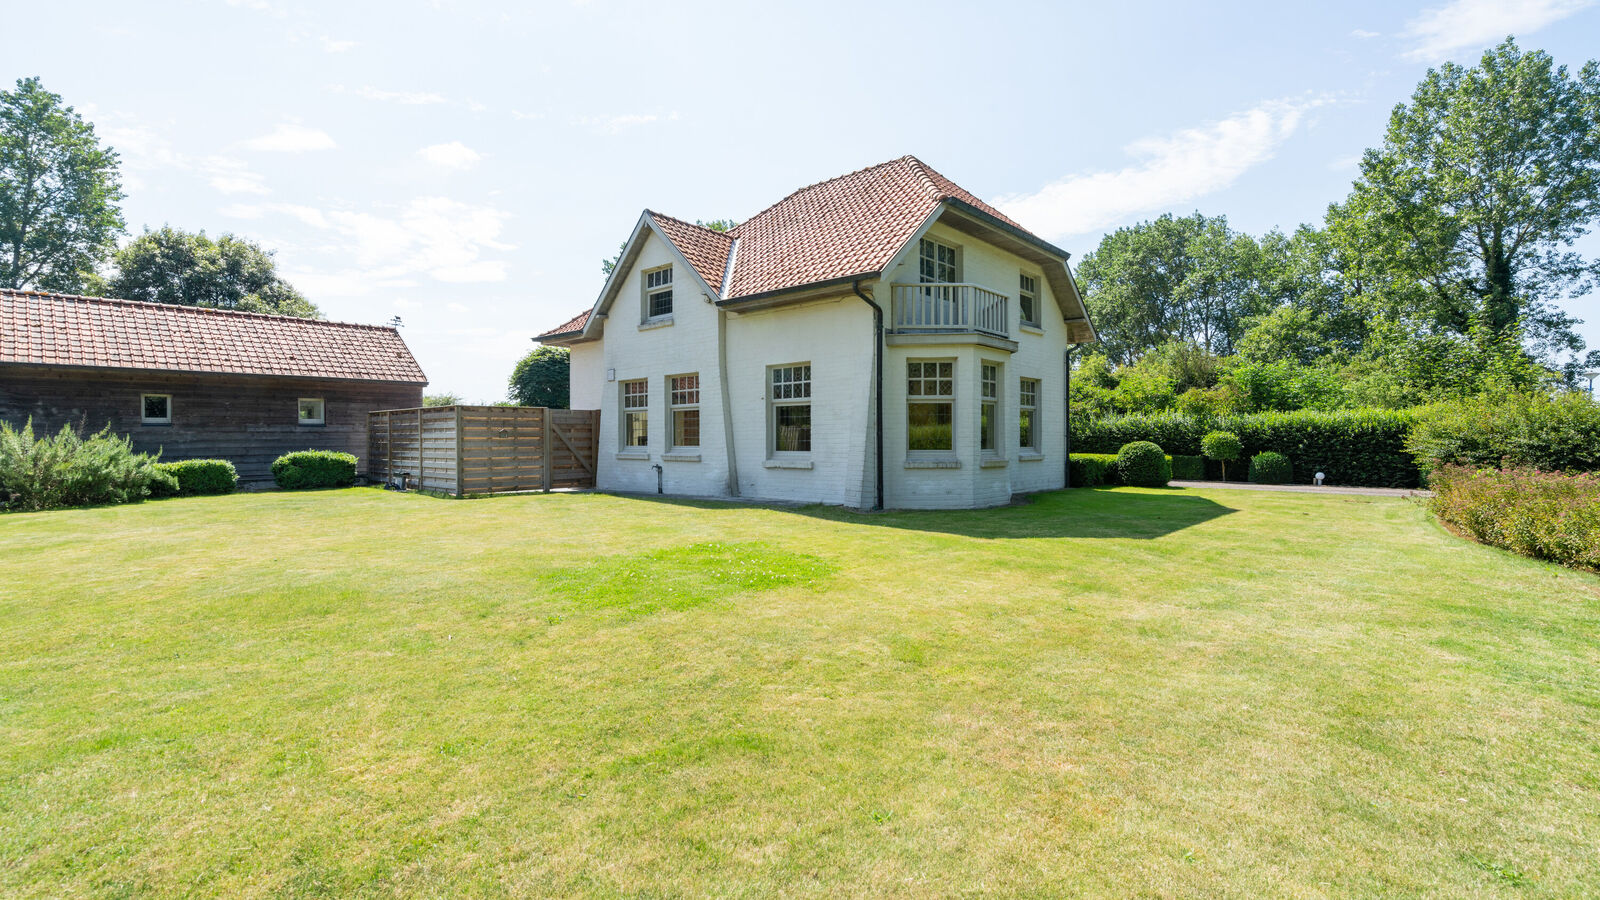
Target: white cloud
143,152
619,124
333,46
454,155
1176,169
1365,34
1473,24
455,307
232,176
404,98
521,116
290,137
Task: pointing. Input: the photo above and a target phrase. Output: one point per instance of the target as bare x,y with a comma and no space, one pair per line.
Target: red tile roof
571,326
847,226
64,330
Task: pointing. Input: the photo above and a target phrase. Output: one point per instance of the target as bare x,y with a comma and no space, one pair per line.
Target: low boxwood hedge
1093,469
202,476
1188,468
1357,446
314,469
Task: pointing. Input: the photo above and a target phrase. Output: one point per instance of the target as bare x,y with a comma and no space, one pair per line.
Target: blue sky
466,166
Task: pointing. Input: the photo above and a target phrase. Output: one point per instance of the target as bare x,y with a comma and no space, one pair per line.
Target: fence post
461,484
546,444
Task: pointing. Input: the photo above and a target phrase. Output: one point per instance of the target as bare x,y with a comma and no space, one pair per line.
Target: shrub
201,476
1551,433
1188,468
1222,446
70,469
314,469
1142,464
1361,446
1093,469
1268,467
1545,515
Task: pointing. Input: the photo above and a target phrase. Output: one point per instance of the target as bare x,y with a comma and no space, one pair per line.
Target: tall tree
174,266
1463,217
1189,279
540,378
58,192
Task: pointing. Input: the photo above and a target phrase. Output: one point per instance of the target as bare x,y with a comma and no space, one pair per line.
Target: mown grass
1102,693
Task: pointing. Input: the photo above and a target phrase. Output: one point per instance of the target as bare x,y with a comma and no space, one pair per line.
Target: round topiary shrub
1222,446
1268,467
1143,464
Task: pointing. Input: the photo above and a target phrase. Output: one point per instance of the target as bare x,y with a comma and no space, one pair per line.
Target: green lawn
1103,693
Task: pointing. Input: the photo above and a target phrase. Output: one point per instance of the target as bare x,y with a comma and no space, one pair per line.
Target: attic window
658,293
311,411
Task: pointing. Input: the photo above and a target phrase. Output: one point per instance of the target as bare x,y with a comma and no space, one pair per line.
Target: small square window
155,409
311,409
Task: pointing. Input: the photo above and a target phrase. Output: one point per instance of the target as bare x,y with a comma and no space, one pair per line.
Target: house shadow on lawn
1076,513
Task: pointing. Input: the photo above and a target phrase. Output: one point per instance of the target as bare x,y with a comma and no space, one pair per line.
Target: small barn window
311,409
155,409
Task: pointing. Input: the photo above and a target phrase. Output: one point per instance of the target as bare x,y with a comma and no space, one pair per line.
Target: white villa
881,339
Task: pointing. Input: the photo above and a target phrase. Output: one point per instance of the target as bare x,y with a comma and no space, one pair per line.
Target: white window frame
991,376
322,411
936,262
1028,286
155,420
650,291
1024,406
642,409
679,400
793,391
922,396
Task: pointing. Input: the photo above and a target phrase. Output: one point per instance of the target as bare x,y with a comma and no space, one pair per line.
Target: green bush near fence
314,469
1355,447
201,476
69,469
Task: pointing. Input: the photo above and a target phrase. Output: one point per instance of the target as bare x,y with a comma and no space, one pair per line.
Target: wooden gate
464,450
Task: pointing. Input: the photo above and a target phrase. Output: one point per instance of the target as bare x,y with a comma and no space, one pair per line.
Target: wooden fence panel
484,449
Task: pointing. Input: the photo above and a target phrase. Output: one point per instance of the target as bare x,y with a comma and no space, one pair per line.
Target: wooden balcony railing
951,307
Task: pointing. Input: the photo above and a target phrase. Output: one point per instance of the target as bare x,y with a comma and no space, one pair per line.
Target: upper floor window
1028,299
658,293
791,408
311,409
684,401
939,263
155,409
930,405
635,413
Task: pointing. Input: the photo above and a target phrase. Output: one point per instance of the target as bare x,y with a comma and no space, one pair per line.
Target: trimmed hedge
201,476
314,469
1545,515
1188,468
1142,464
1559,433
1355,447
1093,469
1268,467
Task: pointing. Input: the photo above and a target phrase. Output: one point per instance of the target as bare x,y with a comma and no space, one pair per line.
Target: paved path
1304,488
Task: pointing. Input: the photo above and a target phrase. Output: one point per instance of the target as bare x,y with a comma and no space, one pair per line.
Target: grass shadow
1078,513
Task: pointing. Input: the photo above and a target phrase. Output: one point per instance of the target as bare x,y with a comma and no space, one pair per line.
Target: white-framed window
931,405
1028,414
635,413
1028,298
683,402
989,408
941,263
789,396
658,293
311,410
155,409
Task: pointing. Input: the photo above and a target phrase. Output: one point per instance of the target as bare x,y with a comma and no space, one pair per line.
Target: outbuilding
199,383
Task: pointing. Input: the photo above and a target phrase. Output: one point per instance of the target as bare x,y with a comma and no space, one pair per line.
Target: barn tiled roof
846,226
65,330
571,326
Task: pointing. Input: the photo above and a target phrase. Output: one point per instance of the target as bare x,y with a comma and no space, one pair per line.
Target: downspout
877,390
727,407
1067,405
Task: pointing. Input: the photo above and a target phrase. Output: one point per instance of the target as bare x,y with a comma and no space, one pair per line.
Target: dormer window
658,293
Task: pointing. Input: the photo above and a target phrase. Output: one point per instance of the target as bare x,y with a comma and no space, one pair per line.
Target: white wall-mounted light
611,374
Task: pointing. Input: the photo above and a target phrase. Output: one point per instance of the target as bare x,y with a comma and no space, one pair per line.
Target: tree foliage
540,378
59,191
189,269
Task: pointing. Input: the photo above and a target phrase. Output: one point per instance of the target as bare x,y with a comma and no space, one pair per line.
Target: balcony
950,309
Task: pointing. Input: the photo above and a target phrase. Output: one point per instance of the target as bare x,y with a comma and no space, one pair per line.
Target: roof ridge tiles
201,310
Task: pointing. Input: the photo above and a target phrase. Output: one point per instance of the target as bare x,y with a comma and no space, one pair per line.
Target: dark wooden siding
249,420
